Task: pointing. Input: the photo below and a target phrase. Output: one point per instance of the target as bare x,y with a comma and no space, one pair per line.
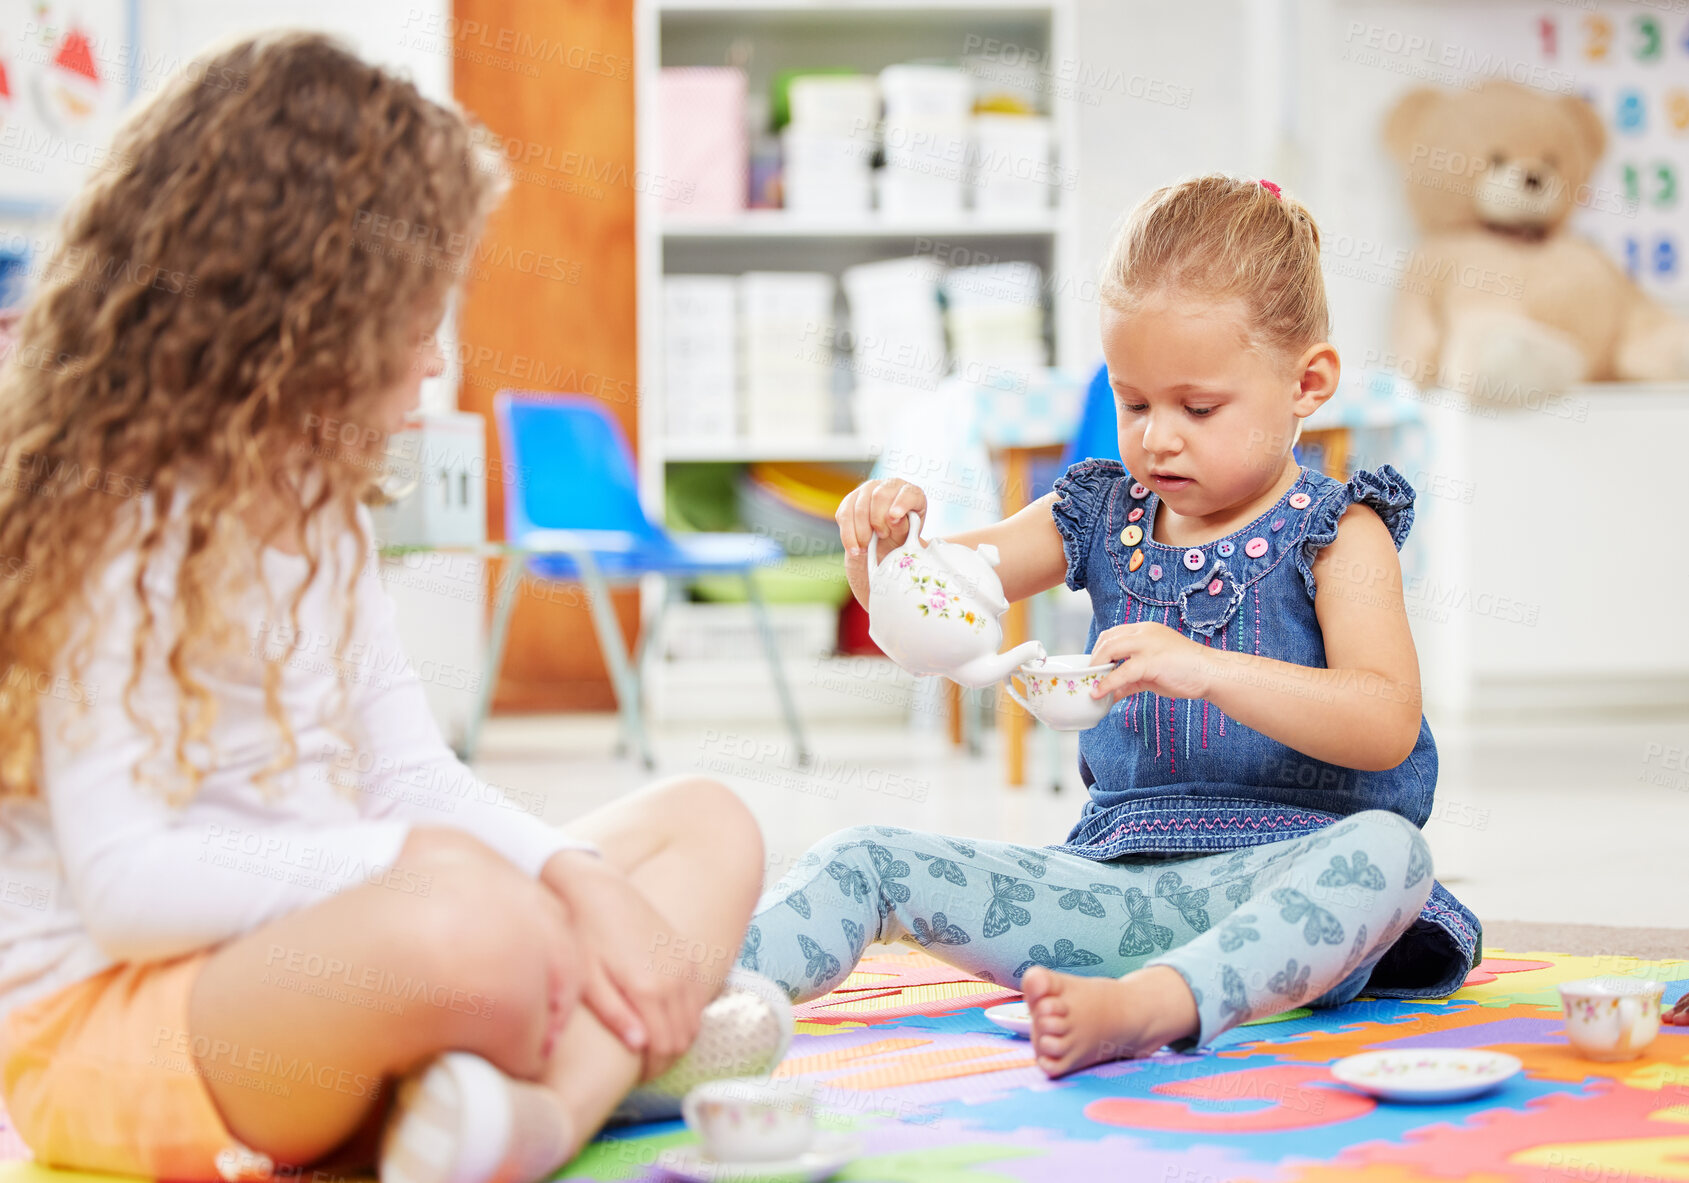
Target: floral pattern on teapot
916,587
940,600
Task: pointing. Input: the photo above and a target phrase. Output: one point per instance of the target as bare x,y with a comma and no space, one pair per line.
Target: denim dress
1176,775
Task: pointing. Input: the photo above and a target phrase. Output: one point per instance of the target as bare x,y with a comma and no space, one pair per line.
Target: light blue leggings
1298,922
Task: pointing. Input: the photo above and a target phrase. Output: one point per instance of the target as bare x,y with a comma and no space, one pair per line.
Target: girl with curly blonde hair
246,886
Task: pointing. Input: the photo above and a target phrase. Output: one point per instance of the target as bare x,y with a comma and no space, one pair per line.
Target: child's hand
631,981
878,507
1678,1016
1152,657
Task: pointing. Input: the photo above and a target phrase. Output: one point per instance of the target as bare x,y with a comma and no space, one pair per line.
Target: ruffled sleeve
1083,493
1386,491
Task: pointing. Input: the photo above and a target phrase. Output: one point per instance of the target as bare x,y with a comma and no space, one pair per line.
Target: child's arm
1362,711
148,882
1028,543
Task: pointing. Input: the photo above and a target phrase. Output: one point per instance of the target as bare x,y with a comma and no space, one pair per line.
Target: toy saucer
1014,1017
830,1154
1427,1074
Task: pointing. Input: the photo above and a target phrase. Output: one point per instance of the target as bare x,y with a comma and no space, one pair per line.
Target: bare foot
1077,1022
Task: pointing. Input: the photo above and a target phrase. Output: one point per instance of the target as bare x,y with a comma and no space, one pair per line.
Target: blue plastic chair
572,505
1098,435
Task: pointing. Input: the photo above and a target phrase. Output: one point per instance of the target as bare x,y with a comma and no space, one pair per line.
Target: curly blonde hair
1225,238
279,228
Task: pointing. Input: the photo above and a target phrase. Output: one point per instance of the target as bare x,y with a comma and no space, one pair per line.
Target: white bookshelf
780,224
836,449
768,36
867,35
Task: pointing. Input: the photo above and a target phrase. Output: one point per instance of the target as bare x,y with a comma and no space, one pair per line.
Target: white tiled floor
1575,823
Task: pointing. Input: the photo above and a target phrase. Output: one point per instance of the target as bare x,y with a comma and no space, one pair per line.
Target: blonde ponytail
1223,237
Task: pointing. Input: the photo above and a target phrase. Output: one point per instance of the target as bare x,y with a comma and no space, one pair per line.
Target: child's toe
1059,1063
1053,1006
1053,1024
1036,983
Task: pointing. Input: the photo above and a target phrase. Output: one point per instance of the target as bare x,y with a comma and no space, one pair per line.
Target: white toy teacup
1611,1019
1058,691
750,1119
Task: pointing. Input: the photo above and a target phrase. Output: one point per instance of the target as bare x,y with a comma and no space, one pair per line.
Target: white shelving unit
838,449
768,36
763,223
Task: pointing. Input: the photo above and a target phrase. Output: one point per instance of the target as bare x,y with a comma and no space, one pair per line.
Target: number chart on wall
1632,63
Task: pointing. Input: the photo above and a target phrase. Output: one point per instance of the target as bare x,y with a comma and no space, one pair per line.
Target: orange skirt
101,1076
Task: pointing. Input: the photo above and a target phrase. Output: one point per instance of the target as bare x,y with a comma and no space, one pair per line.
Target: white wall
409,35
1134,55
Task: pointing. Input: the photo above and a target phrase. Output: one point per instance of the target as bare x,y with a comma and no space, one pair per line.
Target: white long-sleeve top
101,868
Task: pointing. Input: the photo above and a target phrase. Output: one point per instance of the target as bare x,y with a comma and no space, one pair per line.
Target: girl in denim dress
1252,838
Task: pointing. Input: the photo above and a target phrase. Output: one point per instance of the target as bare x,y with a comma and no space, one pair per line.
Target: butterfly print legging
1298,922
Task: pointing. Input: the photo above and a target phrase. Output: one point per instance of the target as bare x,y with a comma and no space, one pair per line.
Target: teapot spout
994,667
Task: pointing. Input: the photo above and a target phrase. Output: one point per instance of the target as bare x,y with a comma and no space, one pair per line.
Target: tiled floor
1582,823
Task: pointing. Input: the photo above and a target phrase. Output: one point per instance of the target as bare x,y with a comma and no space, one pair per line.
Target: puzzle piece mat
902,1057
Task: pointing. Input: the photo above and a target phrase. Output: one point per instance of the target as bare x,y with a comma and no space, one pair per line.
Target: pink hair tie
1271,188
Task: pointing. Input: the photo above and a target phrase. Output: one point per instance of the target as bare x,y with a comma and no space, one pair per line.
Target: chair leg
504,603
975,704
615,654
788,707
649,637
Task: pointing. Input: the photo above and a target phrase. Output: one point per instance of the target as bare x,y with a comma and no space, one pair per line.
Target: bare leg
696,853
305,1020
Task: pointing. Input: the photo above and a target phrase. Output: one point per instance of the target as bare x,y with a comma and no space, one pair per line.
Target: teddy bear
1503,304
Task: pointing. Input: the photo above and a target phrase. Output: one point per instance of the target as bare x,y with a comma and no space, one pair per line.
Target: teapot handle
873,540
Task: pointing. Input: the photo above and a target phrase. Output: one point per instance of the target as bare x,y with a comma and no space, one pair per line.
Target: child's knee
1392,834
470,960
695,806
849,838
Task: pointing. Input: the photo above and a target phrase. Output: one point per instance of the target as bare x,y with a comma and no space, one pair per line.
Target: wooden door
550,301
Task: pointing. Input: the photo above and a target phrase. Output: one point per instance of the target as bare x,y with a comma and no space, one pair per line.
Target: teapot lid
976,570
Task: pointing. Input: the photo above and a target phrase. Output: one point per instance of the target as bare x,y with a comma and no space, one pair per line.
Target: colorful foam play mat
905,1066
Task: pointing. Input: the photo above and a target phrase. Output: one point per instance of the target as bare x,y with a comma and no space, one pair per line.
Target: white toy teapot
937,610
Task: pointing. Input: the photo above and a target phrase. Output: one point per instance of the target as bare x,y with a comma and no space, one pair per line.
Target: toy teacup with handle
1610,1019
751,1119
936,609
1058,691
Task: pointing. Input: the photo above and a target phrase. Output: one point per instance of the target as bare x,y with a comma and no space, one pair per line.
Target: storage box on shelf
704,148
701,356
786,334
828,145
926,134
